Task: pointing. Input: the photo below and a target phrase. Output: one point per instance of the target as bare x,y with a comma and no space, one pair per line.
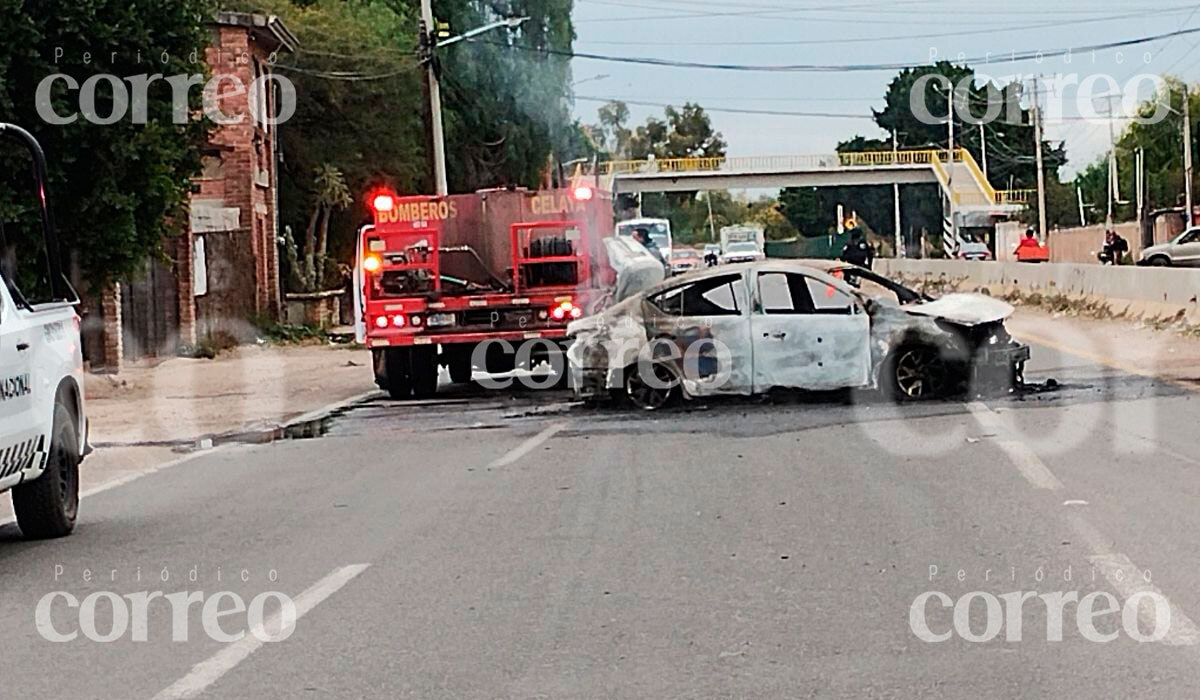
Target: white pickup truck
43,426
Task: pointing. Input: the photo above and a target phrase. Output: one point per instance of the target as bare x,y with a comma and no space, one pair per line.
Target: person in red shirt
1029,241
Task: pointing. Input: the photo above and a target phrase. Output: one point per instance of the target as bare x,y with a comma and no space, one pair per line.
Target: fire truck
485,281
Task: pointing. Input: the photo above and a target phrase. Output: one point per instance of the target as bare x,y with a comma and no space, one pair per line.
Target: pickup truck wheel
46,507
398,381
916,373
423,371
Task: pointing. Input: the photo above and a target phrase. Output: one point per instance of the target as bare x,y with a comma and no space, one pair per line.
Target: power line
907,37
732,110
1012,57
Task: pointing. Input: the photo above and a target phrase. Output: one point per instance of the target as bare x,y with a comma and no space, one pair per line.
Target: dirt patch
184,398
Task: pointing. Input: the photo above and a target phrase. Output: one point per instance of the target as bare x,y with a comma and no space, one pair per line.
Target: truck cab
43,425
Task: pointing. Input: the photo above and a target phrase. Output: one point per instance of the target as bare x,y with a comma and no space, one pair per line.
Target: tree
508,104
117,189
358,113
312,269
1162,141
1010,143
684,132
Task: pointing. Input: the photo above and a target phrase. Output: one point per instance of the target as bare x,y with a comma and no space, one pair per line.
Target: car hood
1160,248
964,309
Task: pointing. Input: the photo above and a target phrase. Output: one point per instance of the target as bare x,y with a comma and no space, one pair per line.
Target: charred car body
808,325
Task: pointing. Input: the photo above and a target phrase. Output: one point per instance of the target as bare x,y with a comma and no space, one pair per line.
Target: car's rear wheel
651,386
917,373
47,506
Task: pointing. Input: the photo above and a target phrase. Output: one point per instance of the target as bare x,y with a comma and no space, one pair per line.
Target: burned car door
702,328
807,334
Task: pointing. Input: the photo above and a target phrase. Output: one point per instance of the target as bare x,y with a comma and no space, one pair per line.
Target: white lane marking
528,446
207,672
1023,457
1129,580
1120,572
154,469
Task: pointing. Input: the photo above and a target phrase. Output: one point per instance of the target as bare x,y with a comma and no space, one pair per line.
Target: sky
856,32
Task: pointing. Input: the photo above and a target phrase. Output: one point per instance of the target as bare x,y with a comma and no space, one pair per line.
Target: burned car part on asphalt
807,325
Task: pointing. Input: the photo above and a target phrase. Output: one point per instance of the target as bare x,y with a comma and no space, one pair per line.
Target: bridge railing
935,158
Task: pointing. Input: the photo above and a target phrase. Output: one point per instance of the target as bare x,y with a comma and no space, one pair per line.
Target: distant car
973,250
748,329
685,260
743,251
1184,251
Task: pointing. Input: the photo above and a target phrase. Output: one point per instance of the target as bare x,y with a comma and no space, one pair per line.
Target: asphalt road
492,546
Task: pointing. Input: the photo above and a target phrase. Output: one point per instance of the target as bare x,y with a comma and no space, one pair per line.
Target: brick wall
112,353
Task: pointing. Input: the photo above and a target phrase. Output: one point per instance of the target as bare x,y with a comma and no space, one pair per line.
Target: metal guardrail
934,158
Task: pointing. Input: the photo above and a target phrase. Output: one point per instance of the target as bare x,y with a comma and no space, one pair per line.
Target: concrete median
1130,291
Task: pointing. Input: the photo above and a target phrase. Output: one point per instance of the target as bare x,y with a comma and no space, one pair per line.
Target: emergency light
384,202
583,193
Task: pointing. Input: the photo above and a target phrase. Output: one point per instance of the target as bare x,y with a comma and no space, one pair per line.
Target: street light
429,45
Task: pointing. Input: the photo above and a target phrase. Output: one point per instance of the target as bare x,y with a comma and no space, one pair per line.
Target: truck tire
47,506
396,367
423,371
457,359
497,361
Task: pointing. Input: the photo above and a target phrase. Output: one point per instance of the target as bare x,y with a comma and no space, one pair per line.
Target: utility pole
1041,174
983,149
1187,155
900,252
712,228
1112,163
437,132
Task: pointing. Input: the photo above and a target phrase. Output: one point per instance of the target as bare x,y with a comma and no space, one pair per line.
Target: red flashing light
372,263
384,202
583,193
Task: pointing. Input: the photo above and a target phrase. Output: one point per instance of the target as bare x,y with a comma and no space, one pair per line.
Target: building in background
224,269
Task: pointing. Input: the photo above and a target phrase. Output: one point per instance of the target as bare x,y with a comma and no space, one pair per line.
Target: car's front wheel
1160,261
47,506
917,373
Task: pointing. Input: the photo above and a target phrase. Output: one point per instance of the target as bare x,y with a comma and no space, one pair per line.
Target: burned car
809,325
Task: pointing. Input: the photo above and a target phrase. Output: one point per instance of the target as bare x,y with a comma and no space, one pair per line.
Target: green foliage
358,112
116,189
293,334
361,106
1011,150
686,132
507,110
1163,145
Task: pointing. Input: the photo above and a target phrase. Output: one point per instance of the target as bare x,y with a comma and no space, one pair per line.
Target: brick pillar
185,270
110,310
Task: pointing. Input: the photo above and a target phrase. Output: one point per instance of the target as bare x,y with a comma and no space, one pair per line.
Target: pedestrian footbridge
958,175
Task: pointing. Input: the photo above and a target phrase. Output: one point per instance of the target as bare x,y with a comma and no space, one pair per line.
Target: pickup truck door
19,426
807,334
